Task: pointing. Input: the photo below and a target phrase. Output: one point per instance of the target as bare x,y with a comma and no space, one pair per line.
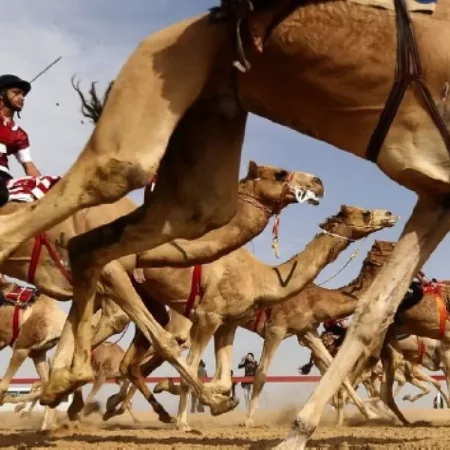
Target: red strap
16,329
443,315
259,315
420,350
195,289
40,240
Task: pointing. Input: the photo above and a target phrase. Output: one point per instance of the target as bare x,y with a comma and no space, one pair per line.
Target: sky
94,40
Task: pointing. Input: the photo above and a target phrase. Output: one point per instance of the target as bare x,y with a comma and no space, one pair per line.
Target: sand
224,432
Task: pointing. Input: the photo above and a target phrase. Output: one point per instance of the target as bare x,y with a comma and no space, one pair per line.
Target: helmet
10,81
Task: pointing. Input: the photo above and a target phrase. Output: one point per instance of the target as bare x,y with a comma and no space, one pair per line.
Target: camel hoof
112,413
167,418
249,423
224,406
63,382
91,408
162,386
184,427
113,401
294,441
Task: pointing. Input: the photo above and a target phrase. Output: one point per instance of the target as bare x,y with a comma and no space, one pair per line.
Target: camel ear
344,211
252,170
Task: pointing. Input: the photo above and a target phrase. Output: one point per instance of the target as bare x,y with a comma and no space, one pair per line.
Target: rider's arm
30,169
23,156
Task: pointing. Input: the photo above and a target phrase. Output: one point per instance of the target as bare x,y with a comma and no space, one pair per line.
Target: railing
269,379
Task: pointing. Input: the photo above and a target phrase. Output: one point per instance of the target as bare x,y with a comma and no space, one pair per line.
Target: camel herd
303,66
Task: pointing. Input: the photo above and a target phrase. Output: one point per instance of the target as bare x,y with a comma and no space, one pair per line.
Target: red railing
269,379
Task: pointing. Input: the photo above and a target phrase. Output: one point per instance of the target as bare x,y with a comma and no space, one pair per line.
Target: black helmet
11,81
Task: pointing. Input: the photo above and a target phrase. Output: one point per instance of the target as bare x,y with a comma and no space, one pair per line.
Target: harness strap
420,350
196,289
259,315
408,70
21,301
39,241
443,315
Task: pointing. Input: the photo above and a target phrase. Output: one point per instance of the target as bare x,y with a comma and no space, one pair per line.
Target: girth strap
408,70
420,350
196,289
20,297
258,317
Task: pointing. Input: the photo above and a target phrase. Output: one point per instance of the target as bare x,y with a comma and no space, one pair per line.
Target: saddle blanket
423,6
29,189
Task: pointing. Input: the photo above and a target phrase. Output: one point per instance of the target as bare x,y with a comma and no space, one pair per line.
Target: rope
352,257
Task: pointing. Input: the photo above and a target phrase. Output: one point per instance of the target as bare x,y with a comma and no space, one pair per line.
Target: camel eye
366,216
281,175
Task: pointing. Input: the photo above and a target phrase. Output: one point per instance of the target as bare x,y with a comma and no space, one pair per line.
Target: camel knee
115,177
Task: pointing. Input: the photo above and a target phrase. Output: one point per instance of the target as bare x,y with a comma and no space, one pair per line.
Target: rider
338,328
13,140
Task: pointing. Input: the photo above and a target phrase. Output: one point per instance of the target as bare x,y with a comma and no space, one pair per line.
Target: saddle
19,296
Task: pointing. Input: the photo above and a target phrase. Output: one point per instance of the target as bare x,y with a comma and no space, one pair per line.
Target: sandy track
225,433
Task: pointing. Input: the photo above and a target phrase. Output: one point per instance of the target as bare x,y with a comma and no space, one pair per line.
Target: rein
39,241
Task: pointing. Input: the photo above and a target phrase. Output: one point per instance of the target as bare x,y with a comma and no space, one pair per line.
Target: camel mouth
305,196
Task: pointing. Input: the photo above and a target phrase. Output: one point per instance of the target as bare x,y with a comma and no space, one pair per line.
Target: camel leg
112,321
319,350
428,225
223,348
446,361
99,381
424,391
389,366
272,341
115,399
123,155
142,229
64,381
202,332
41,365
136,375
18,357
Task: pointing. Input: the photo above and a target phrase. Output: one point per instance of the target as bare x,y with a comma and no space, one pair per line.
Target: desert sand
225,432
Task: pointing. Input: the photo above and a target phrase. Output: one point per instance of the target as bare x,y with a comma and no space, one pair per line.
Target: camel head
276,188
380,252
355,223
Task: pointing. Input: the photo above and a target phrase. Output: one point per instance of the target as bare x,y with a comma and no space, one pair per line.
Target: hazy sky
94,39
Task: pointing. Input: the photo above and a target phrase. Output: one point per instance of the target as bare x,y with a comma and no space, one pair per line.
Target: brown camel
181,127
232,288
303,313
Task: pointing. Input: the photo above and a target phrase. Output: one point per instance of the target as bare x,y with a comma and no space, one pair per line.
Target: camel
192,131
105,360
426,352
233,287
303,313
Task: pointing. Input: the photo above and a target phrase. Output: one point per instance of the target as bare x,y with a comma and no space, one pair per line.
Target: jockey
338,328
13,140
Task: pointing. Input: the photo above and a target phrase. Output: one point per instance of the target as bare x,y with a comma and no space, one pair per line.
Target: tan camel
232,288
426,352
105,359
198,125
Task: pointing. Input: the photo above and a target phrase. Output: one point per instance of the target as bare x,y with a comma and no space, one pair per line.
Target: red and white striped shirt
29,189
13,141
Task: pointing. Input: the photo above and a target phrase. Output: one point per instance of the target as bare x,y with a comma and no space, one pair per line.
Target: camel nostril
388,213
318,181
